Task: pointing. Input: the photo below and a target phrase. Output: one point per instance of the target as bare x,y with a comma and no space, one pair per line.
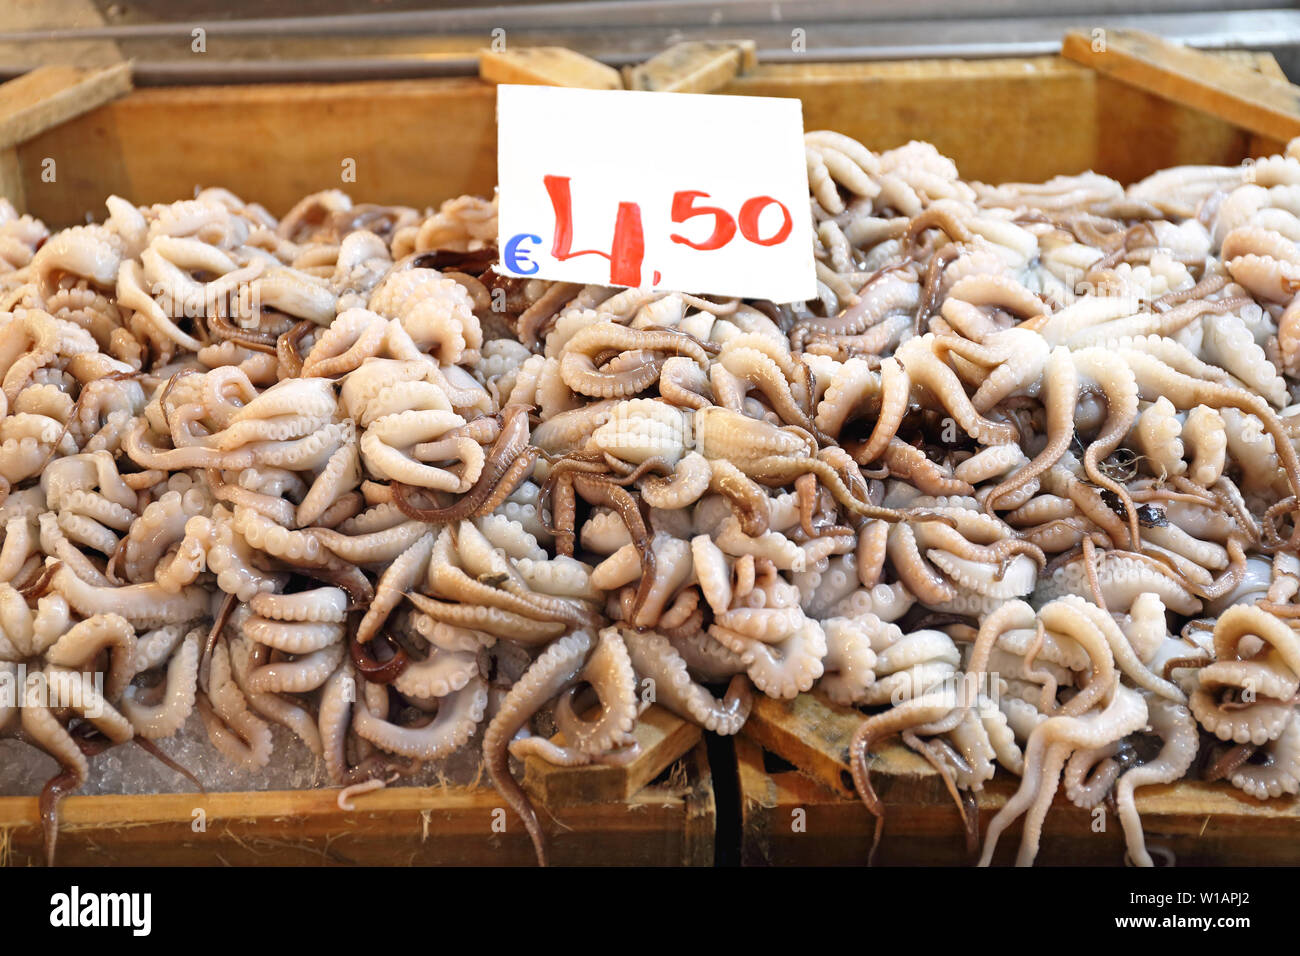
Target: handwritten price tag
675,191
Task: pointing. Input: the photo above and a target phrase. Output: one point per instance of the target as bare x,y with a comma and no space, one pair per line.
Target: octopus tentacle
1177,731
609,671
654,658
554,670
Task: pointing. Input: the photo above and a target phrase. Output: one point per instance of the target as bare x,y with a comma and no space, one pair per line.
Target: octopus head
641,429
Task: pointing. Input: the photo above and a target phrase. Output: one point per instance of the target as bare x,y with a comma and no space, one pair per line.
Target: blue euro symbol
516,260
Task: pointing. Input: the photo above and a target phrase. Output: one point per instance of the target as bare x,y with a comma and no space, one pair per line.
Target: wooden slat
693,67
1248,99
668,824
809,732
663,738
1201,823
50,95
1022,120
547,66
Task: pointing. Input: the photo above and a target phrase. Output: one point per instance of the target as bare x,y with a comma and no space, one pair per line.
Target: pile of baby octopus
1021,484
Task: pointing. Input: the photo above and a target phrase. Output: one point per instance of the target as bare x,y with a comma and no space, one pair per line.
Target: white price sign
674,191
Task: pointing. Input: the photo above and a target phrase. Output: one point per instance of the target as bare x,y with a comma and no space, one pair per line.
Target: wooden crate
807,815
669,823
71,137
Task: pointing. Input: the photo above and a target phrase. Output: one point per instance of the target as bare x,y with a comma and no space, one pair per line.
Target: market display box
418,142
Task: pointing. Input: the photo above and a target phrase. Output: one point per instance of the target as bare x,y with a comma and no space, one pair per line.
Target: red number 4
724,226
627,250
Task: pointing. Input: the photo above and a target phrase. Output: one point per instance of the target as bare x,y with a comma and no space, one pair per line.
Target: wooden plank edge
1259,104
695,66
672,823
51,95
810,733
663,738
547,66
1266,64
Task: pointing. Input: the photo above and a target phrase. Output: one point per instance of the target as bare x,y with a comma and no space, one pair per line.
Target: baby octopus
1020,485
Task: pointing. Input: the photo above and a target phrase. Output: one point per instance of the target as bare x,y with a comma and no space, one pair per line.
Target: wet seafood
1021,484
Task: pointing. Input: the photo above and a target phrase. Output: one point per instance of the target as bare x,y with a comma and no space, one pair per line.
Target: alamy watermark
74,908
61,689
979,691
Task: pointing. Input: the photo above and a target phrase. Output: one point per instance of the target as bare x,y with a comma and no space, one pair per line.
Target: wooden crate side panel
1200,824
833,831
671,824
643,835
414,142
1022,119
420,141
1139,133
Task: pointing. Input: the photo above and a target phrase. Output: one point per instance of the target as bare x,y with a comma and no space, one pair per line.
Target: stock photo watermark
78,909
56,690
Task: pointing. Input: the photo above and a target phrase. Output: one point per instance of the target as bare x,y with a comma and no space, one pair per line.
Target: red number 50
724,226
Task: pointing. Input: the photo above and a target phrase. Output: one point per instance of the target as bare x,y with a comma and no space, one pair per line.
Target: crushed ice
129,769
